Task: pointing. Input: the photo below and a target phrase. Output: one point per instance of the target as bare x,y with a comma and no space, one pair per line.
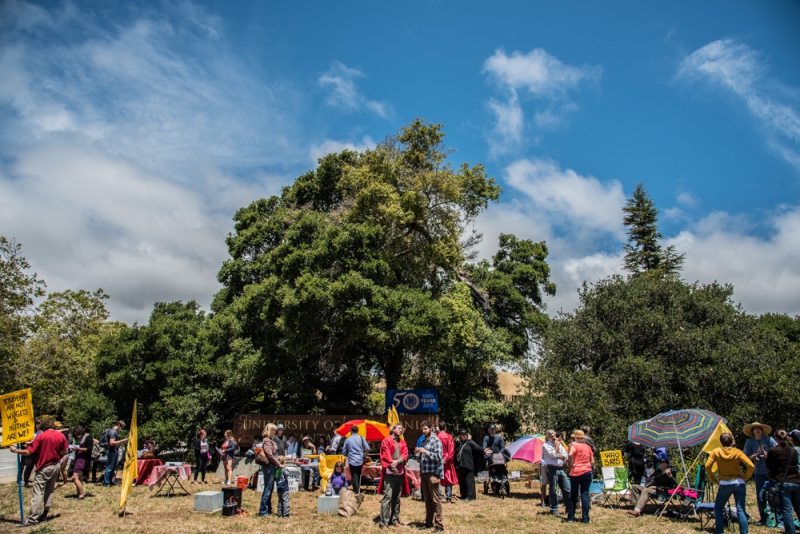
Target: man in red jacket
394,455
50,446
448,452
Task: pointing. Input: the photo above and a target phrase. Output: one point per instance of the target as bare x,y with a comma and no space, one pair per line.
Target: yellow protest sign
17,411
611,459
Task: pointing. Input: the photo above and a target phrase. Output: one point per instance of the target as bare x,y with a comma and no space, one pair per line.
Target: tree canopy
18,289
359,271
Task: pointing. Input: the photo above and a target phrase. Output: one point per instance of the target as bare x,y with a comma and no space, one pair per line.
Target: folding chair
619,490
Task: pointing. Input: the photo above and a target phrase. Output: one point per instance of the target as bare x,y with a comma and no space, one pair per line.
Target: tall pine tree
643,252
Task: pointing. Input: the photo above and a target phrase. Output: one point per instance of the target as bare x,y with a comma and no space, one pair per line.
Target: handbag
775,493
261,458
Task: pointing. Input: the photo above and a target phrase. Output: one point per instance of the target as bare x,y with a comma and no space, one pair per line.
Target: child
282,484
338,479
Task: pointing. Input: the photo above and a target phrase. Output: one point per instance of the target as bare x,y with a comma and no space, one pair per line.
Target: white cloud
341,80
686,199
765,271
580,218
133,145
510,123
567,198
537,75
741,70
329,146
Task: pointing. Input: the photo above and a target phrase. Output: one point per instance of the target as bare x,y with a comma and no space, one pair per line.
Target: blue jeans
580,485
112,459
760,480
557,477
266,497
791,499
448,492
724,493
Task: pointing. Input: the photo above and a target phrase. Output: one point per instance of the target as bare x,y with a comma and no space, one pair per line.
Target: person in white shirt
554,456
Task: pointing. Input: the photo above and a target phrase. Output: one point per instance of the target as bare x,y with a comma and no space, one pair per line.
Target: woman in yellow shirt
729,462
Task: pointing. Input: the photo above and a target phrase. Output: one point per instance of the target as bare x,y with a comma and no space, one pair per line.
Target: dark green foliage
638,347
17,291
171,370
357,271
643,252
90,409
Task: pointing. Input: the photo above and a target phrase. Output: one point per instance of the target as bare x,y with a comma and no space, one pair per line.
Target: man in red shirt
394,455
50,446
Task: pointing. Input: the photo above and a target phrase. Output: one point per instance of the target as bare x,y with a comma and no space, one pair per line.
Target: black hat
463,431
493,426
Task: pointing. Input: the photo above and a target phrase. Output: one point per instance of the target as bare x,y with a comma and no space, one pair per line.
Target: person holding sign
49,446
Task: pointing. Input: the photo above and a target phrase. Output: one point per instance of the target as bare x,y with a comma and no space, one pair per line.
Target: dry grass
518,513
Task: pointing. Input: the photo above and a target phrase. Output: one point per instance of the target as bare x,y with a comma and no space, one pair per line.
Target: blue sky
129,134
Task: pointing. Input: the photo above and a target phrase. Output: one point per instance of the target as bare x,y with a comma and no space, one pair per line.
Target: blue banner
410,401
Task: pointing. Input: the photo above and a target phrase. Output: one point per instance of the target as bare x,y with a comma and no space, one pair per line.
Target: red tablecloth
366,471
146,468
159,473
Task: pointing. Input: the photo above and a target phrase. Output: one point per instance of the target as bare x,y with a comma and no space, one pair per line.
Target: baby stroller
496,465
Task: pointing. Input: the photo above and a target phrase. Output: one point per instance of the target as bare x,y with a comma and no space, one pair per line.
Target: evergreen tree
643,252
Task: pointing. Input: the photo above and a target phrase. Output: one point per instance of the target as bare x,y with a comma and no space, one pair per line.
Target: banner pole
19,485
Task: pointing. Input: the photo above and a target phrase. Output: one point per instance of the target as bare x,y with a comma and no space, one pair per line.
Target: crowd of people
567,467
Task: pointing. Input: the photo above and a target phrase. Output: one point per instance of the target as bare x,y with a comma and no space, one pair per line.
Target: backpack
104,438
97,451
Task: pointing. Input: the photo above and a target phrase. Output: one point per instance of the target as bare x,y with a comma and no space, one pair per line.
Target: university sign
245,426
413,400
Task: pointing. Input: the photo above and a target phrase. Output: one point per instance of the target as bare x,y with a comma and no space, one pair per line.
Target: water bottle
329,491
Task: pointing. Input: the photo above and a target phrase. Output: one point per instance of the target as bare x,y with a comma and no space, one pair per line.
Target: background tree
171,369
18,289
644,345
359,271
643,252
59,358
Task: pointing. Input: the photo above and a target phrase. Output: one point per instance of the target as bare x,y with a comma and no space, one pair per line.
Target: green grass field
519,512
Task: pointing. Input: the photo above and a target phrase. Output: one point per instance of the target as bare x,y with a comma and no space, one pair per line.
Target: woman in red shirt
581,460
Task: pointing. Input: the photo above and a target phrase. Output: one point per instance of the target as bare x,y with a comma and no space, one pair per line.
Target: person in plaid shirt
431,471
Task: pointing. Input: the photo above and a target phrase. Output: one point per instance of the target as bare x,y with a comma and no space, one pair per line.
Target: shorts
543,475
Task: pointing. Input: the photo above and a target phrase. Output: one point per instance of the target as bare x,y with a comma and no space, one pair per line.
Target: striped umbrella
678,428
369,430
527,448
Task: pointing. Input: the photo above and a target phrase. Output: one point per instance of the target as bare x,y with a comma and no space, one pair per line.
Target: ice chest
293,476
328,505
208,501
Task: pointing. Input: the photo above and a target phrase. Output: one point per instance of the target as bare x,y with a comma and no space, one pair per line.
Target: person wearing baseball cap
280,440
755,448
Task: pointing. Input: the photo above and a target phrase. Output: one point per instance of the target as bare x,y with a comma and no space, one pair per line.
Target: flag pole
19,484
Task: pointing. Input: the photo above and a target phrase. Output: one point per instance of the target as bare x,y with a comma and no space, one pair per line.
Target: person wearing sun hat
580,476
756,447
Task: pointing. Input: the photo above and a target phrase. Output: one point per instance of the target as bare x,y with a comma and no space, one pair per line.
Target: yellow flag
713,440
393,418
131,470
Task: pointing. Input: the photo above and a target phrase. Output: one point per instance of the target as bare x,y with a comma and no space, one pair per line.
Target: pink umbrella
527,449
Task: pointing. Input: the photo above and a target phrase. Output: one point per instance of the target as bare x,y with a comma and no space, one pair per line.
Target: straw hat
748,429
578,434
